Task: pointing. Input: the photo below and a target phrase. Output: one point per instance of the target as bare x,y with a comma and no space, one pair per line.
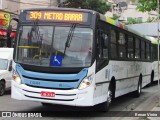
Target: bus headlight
16,77
86,82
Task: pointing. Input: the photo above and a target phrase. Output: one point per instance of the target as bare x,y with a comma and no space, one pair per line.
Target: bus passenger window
130,47
142,49
113,44
105,45
154,52
148,55
122,45
137,48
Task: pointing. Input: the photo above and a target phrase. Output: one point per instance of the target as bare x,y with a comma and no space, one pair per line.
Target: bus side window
154,52
122,45
103,44
130,47
148,55
137,48
142,50
113,44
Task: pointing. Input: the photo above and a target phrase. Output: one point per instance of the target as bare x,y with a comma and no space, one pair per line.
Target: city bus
77,57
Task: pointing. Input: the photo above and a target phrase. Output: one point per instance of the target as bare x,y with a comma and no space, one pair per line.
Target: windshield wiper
69,38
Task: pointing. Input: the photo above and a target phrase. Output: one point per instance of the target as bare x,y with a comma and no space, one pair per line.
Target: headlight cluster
16,77
86,82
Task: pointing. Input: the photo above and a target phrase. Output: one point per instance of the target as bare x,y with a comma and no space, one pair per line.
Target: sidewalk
155,111
154,103
149,109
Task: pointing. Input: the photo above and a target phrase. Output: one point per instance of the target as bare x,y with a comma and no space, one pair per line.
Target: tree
150,19
147,5
133,21
115,17
97,5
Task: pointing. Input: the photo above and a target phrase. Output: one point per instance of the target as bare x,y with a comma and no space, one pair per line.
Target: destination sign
63,16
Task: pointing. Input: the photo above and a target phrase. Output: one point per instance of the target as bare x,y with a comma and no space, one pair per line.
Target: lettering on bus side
34,83
116,68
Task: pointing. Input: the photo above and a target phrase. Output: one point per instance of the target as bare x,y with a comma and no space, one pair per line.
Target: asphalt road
123,108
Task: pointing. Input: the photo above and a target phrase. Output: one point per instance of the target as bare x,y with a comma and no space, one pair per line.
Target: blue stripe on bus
51,80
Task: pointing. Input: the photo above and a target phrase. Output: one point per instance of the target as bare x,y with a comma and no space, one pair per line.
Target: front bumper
72,97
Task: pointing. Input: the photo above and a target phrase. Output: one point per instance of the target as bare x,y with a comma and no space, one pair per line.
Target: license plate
47,94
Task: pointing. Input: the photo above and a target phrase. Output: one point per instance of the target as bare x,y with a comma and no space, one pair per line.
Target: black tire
152,77
104,107
137,93
2,88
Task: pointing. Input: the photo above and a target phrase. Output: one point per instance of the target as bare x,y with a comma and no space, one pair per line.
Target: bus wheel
152,77
139,88
104,107
2,88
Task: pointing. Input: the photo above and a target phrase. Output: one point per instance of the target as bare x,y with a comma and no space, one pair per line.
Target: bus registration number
47,94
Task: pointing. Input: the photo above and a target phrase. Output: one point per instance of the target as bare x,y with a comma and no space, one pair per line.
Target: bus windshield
54,46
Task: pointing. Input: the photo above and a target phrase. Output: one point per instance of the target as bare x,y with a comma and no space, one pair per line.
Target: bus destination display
64,16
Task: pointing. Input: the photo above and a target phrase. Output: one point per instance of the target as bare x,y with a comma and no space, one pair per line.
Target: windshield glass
3,64
54,46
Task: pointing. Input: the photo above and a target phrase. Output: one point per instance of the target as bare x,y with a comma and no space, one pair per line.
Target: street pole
158,36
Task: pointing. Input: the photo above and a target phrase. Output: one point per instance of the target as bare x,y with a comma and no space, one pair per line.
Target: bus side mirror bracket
9,30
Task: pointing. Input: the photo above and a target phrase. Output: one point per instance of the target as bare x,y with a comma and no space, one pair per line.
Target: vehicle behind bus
6,57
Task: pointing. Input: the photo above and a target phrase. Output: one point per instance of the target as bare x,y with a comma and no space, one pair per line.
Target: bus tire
152,77
139,87
104,107
2,88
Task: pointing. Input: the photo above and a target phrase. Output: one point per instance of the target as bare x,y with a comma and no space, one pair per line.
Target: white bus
77,57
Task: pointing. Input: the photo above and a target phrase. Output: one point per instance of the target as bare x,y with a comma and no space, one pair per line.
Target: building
126,9
15,6
26,4
10,6
12,10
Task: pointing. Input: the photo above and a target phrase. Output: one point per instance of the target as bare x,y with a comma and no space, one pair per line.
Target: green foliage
133,21
97,5
150,19
133,1
115,17
147,5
